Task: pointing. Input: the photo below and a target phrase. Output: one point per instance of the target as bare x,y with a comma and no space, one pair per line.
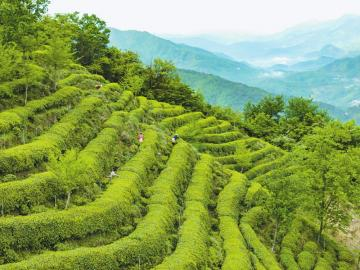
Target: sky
192,17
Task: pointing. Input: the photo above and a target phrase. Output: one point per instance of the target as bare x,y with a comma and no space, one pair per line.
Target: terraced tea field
191,205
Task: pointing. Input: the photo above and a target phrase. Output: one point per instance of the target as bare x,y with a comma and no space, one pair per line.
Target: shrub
236,253
15,117
218,137
194,128
217,149
160,113
311,247
112,209
287,259
177,121
264,255
43,187
192,250
322,264
264,168
148,243
223,126
306,260
256,195
31,155
85,81
232,195
123,102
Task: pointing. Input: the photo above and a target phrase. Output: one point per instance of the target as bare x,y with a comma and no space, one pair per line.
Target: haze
189,17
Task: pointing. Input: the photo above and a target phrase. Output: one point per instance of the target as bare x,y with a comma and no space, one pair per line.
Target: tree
272,106
30,75
163,83
330,179
118,66
19,20
54,58
287,195
9,59
90,39
67,171
304,110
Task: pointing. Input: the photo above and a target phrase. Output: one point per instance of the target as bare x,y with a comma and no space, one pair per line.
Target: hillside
335,83
300,43
108,163
219,91
150,47
170,191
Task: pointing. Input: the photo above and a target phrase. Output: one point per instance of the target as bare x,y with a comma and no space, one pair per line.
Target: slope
336,83
149,47
219,91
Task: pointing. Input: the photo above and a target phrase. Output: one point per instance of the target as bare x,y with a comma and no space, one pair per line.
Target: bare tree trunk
2,207
275,236
320,230
68,200
23,135
26,94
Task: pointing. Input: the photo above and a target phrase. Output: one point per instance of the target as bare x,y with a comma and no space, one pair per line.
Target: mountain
337,83
219,91
305,65
328,80
292,45
149,47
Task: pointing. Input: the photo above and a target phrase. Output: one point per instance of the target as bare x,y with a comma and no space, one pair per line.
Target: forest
275,186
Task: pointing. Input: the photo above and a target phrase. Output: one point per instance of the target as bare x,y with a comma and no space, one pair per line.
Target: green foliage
322,264
163,83
82,80
55,58
140,246
223,126
28,156
256,195
112,209
15,117
282,123
196,225
176,121
19,19
9,59
306,260
264,255
194,128
228,208
218,137
118,66
90,37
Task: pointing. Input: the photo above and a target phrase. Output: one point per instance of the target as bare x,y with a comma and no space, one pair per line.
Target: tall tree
9,59
30,75
91,39
54,58
19,18
330,178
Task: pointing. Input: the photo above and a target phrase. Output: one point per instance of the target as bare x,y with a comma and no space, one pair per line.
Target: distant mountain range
219,91
337,83
325,65
300,43
149,47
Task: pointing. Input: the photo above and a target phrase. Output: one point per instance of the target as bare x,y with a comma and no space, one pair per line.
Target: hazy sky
209,16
